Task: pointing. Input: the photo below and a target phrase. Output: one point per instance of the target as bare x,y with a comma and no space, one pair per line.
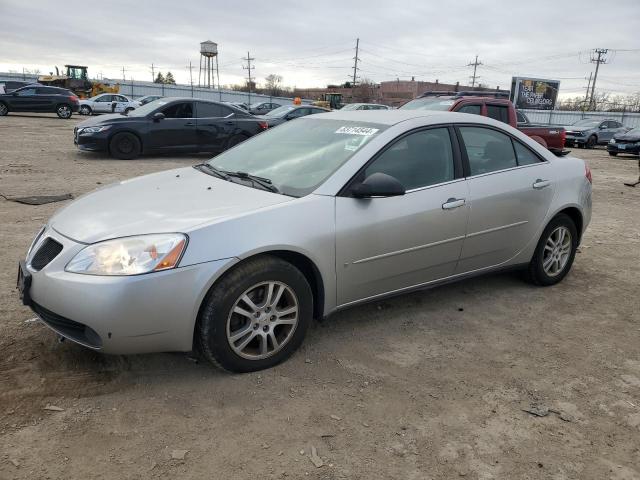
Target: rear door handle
453,203
540,184
189,124
229,123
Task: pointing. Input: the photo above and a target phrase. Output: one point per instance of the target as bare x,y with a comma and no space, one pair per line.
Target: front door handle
453,203
540,184
229,123
189,124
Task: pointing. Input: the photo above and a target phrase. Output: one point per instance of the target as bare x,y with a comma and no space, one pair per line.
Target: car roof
392,117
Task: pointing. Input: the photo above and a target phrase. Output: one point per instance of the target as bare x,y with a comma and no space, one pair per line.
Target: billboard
534,93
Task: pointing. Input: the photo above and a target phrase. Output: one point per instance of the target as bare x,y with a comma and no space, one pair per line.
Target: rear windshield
429,103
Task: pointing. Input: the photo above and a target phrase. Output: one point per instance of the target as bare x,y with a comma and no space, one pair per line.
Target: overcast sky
312,44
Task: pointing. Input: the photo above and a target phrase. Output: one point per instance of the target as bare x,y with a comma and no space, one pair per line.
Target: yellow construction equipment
77,80
329,100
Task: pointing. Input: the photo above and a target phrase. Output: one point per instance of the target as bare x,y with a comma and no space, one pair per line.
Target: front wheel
3,109
555,252
256,316
591,142
125,146
85,110
126,112
64,111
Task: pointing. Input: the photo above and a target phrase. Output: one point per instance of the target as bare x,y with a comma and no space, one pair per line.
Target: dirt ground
430,385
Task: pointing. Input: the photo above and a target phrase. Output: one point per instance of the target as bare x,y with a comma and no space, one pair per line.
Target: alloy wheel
3,109
557,251
262,320
64,111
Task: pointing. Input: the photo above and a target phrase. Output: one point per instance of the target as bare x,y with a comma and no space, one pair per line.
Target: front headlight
613,140
95,129
130,255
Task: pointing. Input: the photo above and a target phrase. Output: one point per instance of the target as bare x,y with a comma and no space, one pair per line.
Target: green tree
159,78
169,79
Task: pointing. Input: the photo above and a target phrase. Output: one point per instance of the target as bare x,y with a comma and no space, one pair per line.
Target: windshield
587,123
298,156
634,131
428,103
255,105
351,106
147,108
280,111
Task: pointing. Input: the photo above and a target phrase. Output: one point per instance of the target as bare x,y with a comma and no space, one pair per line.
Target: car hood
571,128
628,137
107,119
171,201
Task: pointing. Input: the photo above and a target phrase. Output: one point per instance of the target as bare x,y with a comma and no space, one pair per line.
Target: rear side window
208,110
26,92
487,150
48,91
420,159
524,155
473,109
498,112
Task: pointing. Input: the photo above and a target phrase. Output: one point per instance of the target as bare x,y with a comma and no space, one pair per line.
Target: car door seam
496,229
408,250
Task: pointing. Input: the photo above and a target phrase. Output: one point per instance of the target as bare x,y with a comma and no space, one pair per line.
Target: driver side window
417,160
179,110
26,92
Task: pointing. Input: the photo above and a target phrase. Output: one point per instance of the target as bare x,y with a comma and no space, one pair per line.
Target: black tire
216,311
85,110
3,109
580,145
536,273
125,146
613,154
128,110
64,111
591,141
235,140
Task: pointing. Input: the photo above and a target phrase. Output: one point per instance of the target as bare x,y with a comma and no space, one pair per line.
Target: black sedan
289,112
628,142
170,125
38,98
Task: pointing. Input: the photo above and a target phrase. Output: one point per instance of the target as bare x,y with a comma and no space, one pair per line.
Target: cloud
312,44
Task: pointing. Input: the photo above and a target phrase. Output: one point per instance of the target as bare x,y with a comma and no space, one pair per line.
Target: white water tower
208,51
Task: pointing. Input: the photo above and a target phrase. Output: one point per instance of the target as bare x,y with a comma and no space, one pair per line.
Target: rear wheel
64,111
592,141
555,252
613,154
256,316
125,146
85,110
3,109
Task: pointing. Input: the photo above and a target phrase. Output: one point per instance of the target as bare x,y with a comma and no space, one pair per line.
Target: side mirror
158,116
378,185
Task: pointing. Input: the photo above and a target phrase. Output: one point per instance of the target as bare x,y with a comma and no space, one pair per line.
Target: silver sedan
236,256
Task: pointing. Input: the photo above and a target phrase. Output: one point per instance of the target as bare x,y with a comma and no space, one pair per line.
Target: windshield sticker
354,143
364,131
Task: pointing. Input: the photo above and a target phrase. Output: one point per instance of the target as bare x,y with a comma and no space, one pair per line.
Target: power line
475,67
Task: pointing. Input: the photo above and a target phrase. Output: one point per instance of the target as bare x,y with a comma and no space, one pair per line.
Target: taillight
74,99
563,136
587,173
263,125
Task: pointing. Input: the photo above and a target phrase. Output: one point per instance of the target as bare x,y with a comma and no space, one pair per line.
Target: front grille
47,252
68,328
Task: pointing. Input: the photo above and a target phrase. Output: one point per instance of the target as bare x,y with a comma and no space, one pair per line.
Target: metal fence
137,89
562,117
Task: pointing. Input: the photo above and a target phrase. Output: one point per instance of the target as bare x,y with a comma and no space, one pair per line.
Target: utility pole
248,68
599,52
123,77
153,73
190,67
474,64
586,97
355,64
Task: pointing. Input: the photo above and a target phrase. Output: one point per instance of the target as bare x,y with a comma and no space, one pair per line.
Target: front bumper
120,314
570,141
630,148
92,142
